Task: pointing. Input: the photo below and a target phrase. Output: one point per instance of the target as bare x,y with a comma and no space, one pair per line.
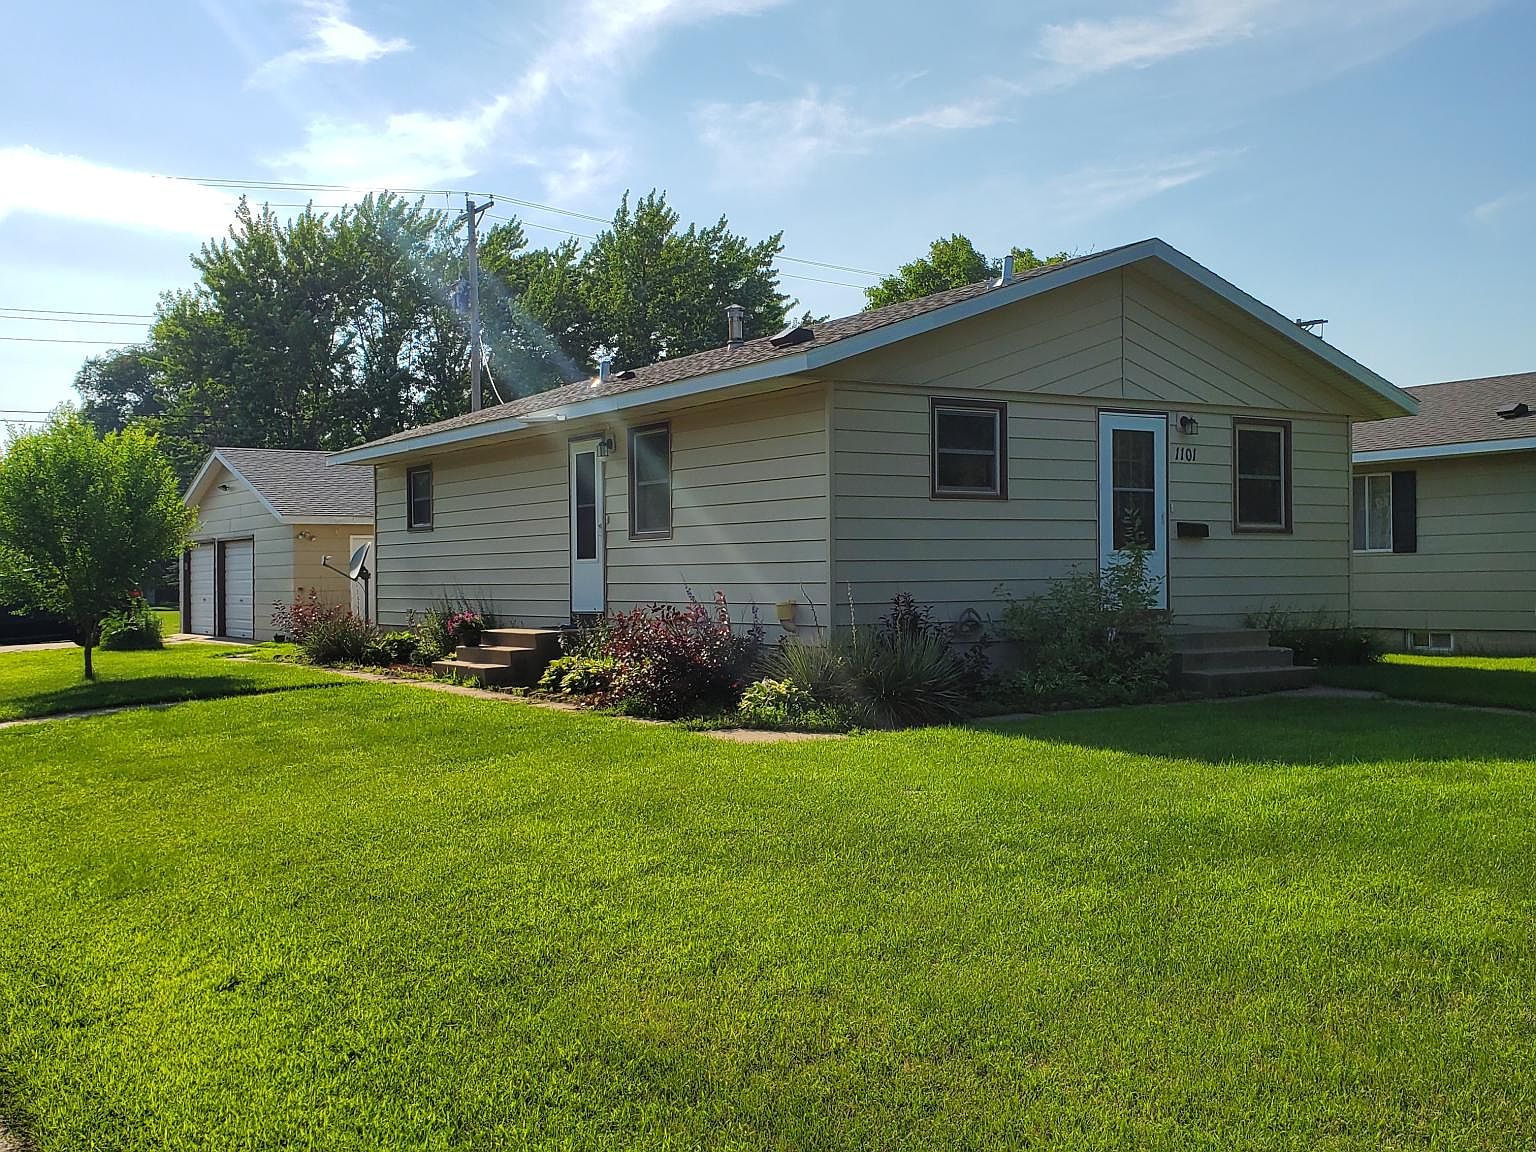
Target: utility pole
472,214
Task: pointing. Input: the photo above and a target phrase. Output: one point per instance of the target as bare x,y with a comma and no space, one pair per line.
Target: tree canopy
82,520
324,330
952,262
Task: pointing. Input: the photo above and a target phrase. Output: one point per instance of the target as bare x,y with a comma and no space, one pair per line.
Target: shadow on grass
148,690
1444,683
1299,731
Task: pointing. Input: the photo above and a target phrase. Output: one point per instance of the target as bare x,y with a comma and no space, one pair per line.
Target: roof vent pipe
604,370
1007,276
735,324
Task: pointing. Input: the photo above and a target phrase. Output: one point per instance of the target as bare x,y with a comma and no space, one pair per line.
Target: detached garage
265,519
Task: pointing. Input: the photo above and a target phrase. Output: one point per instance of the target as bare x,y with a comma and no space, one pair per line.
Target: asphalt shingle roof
720,359
300,483
1456,412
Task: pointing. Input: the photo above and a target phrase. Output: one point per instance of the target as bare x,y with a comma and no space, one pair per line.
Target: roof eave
1387,399
1444,451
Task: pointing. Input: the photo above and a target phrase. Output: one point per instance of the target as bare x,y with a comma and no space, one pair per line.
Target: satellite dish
359,558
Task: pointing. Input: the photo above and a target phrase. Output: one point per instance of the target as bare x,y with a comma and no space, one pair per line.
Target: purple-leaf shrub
673,661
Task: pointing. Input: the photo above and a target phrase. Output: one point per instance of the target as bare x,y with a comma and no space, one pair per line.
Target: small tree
82,519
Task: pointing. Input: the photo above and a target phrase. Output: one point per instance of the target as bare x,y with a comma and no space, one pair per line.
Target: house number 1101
1184,452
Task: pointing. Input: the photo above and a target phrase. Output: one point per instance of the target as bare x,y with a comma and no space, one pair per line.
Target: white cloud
798,134
1098,191
596,45
1088,46
406,150
73,188
331,39
1490,210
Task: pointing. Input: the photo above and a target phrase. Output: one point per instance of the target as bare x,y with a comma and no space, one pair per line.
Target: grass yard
170,620
375,917
46,683
1490,681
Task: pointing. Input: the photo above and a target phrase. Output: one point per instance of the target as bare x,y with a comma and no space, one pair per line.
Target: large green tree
951,262
83,518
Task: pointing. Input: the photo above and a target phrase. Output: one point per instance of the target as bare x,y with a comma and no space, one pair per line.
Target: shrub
391,648
1093,637
135,628
325,633
580,675
905,671
673,661
774,703
1316,636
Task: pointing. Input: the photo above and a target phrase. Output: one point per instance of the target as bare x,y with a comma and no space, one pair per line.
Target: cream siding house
266,519
963,447
1445,520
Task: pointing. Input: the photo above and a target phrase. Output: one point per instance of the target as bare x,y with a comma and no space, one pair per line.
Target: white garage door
240,589
200,591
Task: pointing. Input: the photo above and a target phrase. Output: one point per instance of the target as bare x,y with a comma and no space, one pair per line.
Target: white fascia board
202,476
327,518
816,358
1444,451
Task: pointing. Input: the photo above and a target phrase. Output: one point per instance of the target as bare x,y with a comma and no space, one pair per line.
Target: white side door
588,592
368,611
1133,490
240,589
200,593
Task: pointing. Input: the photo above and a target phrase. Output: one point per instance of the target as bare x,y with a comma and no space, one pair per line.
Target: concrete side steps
1231,638
504,657
1230,659
1241,681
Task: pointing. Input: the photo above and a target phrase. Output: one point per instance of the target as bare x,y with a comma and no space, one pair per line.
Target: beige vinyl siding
749,499
236,514
333,540
1106,343
1475,568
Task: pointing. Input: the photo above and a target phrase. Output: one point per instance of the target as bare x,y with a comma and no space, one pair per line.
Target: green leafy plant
135,628
774,703
387,648
1316,636
580,675
1093,637
83,519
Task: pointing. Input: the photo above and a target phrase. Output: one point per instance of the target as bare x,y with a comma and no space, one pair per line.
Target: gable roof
761,359
297,486
1456,418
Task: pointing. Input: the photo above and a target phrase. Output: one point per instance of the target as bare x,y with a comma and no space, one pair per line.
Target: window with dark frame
1262,476
970,449
650,481
418,497
1373,512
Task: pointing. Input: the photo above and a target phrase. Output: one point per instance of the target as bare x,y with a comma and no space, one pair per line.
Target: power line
54,340
227,183
67,312
73,320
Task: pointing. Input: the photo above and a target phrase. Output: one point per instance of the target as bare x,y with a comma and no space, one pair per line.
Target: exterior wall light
1189,426
605,447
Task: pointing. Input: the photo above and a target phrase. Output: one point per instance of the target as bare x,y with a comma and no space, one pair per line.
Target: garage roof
297,486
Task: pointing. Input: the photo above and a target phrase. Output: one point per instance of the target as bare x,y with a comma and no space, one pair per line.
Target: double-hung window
1261,475
418,497
1373,512
650,481
969,449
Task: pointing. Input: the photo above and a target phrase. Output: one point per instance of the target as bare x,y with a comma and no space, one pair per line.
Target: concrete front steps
514,657
1233,663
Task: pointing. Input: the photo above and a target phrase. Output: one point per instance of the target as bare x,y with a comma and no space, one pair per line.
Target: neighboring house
962,447
1445,519
265,520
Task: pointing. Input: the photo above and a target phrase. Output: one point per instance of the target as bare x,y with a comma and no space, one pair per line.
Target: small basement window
650,481
1262,476
1373,512
970,448
1431,641
418,497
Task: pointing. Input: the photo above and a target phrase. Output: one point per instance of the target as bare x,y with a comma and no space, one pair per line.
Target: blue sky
1372,163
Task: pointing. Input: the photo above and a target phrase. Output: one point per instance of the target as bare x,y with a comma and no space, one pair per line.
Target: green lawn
170,620
376,917
1501,682
45,683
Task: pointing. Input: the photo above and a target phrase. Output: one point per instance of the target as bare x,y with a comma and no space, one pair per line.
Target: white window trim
1367,476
